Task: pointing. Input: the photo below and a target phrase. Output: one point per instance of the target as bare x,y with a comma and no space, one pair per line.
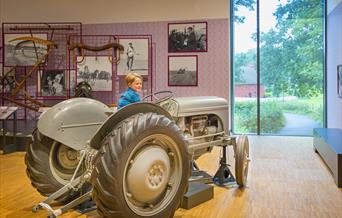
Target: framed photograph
72,82
135,57
52,83
188,37
7,83
21,52
339,81
183,70
1,75
95,70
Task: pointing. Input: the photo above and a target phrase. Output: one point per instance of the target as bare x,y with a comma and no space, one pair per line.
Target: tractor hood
187,106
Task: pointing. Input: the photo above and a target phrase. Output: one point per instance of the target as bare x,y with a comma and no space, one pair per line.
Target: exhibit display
81,141
133,109
137,161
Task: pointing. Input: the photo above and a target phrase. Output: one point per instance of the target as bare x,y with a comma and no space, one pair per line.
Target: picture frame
97,71
7,84
339,81
20,52
135,57
52,83
188,37
183,70
72,82
1,76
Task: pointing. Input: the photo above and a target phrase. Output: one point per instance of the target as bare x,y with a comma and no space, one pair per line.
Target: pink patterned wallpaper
213,65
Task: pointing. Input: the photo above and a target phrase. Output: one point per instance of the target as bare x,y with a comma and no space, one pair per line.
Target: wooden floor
286,179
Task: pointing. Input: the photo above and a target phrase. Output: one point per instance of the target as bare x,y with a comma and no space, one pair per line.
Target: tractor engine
202,120
198,130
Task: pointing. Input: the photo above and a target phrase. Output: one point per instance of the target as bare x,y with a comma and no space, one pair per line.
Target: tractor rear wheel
50,165
142,168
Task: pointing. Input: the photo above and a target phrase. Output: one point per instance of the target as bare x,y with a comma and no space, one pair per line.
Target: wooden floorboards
286,179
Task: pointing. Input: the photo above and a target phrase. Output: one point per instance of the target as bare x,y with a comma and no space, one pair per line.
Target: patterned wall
213,65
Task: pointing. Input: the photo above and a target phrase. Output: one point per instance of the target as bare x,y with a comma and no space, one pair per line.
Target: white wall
334,58
111,11
332,4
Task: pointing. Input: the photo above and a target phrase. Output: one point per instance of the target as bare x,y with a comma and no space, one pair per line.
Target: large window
278,66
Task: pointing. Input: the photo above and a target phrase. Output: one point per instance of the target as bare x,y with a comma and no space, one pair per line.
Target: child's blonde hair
130,77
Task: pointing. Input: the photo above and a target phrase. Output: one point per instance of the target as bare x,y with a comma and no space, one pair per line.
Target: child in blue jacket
134,83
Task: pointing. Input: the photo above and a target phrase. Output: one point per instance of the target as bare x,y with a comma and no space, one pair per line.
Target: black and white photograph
95,70
7,83
183,70
187,37
339,80
23,52
52,83
135,56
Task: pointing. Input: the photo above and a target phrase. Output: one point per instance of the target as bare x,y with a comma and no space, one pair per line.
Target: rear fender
122,114
73,122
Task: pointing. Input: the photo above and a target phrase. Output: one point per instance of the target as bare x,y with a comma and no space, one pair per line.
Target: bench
328,143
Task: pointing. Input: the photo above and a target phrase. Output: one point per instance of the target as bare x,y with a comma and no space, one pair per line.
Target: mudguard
73,122
122,114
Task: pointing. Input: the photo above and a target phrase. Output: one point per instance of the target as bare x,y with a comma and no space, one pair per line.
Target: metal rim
243,156
63,161
168,179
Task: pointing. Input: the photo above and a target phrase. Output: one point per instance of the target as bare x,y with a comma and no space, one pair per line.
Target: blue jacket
128,97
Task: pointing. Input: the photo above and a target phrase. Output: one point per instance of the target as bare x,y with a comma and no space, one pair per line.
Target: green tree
292,52
249,4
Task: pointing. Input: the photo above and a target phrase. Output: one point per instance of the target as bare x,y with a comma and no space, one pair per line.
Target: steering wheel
166,95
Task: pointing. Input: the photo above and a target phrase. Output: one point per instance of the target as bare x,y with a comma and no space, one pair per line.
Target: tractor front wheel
142,169
241,160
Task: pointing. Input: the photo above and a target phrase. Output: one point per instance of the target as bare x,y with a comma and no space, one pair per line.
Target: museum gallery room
158,109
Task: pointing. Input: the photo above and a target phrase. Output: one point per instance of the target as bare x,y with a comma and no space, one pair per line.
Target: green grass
311,107
272,113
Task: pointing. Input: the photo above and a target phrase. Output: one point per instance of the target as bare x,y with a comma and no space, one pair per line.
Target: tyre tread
37,168
117,142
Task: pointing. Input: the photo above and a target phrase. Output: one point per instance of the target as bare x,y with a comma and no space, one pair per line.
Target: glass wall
244,48
286,59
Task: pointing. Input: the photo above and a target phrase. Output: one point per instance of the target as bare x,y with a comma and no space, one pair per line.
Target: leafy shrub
271,117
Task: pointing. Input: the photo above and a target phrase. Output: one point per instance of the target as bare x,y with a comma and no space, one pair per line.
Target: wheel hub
68,157
155,175
148,174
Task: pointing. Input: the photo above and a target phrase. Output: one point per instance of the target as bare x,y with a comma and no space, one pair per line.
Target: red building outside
247,87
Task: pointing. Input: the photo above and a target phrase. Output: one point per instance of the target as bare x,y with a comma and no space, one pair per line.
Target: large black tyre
241,160
45,169
142,169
